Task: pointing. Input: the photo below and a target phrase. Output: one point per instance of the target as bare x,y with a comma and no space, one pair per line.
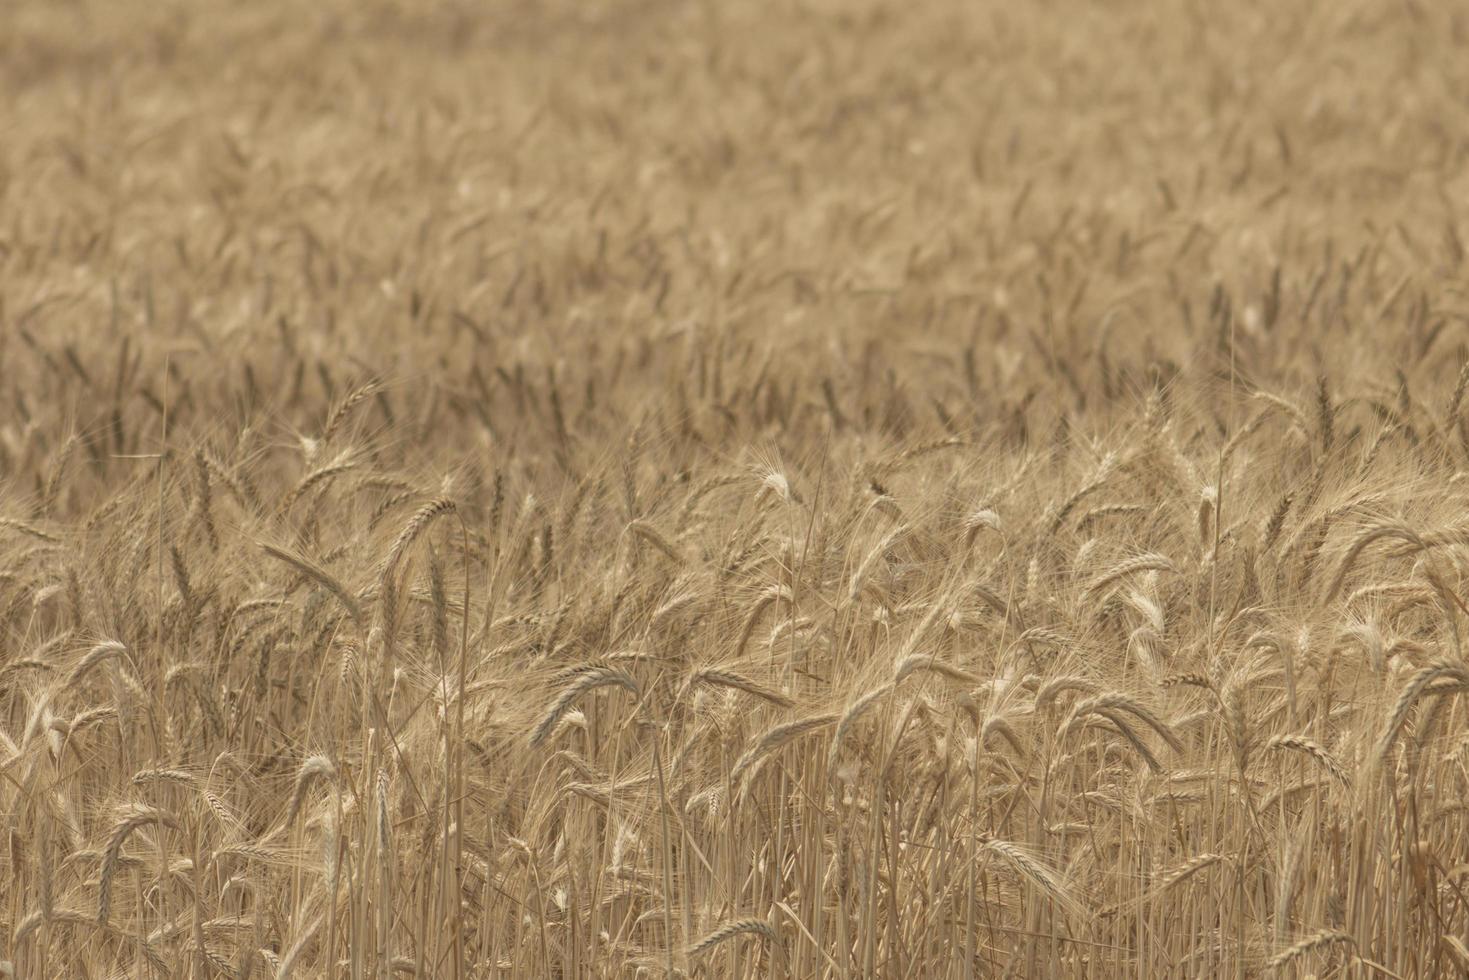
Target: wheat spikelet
314,768
670,608
288,961
105,650
203,504
1289,408
320,576
739,927
1042,877
1360,545
776,484
387,505
52,491
588,680
28,529
1097,514
86,719
1208,502
852,715
766,598
980,520
24,664
728,678
775,738
1285,793
1123,727
1416,688
583,768
1311,944
1099,480
710,485
1142,563
1271,531
221,810
226,476
139,817
998,726
1457,399
654,537
344,462
930,663
344,408
1113,702
256,605
1237,721
1188,680
1056,686
858,581
253,852
175,776
1187,870
1300,743
992,599
37,918
416,525
384,825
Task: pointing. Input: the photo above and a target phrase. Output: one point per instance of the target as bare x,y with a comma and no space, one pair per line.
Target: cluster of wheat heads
935,707
468,509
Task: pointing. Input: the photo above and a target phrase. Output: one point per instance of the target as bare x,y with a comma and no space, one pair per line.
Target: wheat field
774,488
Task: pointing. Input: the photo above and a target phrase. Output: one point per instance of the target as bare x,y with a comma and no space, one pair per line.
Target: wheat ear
141,817
588,680
1415,689
775,738
320,576
1313,943
739,927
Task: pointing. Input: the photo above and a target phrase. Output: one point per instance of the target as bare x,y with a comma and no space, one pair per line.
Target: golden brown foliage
643,489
